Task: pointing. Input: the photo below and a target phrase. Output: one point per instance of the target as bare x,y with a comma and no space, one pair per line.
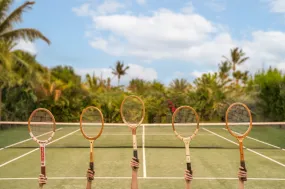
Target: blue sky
159,40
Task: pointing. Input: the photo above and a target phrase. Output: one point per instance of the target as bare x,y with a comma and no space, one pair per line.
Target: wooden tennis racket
132,113
41,127
91,127
185,124
239,124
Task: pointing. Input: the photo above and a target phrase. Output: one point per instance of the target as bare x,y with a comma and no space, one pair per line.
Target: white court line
266,157
260,141
12,160
25,140
150,178
143,148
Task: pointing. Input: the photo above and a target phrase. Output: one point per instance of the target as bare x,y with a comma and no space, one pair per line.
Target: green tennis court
214,156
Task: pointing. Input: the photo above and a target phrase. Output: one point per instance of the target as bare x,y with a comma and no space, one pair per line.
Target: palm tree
180,85
8,35
237,57
7,21
224,69
238,75
119,70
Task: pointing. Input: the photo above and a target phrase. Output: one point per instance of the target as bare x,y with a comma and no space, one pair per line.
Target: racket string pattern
239,124
41,126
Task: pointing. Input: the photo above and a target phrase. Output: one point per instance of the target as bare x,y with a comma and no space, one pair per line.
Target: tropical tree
119,70
224,73
238,57
208,97
7,22
180,85
9,35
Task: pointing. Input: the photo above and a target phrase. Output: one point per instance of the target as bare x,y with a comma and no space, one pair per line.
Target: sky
158,39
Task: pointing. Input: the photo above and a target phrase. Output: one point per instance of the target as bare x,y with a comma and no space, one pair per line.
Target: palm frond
15,16
4,7
243,60
28,34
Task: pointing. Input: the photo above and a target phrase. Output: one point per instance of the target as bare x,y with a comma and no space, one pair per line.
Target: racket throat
241,150
187,149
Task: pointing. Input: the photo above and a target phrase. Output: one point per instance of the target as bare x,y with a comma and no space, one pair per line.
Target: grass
163,160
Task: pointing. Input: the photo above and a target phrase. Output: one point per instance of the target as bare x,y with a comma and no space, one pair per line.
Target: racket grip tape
136,155
189,168
242,164
91,166
43,170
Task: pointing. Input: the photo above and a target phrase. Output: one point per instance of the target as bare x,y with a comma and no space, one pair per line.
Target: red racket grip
189,168
242,164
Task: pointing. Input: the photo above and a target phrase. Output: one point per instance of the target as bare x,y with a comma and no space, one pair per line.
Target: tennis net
264,135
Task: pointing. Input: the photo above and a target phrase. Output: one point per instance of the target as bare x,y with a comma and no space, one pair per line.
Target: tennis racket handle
91,166
136,155
189,168
43,170
242,164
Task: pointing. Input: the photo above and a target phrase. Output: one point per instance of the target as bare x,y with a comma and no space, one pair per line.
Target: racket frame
42,143
91,139
188,139
240,138
133,127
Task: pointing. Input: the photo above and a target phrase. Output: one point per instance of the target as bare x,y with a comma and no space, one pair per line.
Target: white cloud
265,48
168,35
216,5
141,2
107,7
135,71
26,46
197,74
164,35
83,10
277,6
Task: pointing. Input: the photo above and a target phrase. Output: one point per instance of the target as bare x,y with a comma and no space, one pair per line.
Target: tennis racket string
132,111
91,122
41,125
238,119
185,122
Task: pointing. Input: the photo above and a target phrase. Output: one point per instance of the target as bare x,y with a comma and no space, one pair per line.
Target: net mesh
91,122
132,110
185,122
238,119
41,125
262,136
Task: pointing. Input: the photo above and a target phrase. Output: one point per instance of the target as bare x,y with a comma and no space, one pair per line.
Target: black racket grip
242,164
91,167
136,155
189,168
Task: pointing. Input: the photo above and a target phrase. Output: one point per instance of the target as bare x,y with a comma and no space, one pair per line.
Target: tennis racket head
132,111
91,123
238,120
41,125
185,122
